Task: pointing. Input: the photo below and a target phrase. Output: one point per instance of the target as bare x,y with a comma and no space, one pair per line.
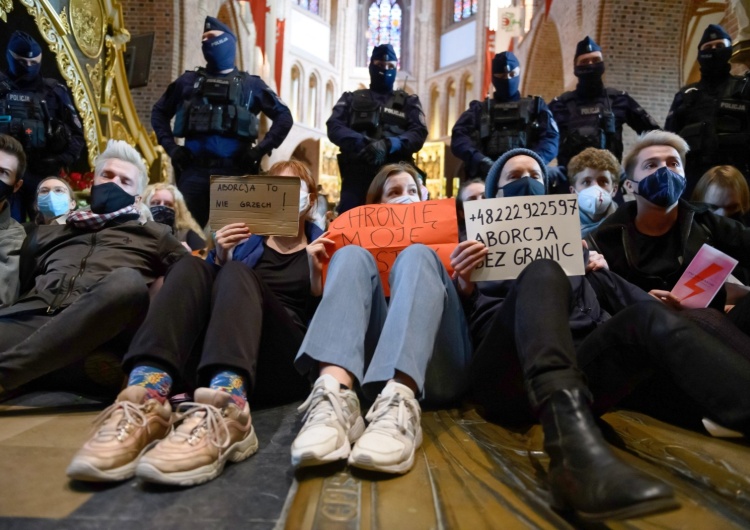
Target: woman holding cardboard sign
251,307
415,346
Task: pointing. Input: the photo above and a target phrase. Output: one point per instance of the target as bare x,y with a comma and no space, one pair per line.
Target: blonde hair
182,217
725,177
652,138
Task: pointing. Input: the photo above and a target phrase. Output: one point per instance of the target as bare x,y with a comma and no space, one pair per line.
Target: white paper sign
519,230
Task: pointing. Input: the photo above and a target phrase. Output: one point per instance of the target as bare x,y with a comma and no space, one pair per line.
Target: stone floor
469,474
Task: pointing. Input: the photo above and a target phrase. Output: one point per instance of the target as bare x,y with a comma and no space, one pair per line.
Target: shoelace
320,414
132,414
382,418
212,424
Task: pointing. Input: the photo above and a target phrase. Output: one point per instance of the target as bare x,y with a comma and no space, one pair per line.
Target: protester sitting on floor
415,346
652,240
85,283
593,175
243,311
168,207
470,190
548,347
12,234
54,201
725,191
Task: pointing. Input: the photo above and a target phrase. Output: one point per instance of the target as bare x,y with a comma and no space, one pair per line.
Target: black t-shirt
288,276
660,255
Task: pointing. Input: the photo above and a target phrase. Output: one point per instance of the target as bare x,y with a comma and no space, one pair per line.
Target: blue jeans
422,332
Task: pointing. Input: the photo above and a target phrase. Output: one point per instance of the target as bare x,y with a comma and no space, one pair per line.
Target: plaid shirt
86,219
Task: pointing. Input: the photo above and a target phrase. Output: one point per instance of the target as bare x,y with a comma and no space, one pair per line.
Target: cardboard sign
704,277
387,229
519,230
268,205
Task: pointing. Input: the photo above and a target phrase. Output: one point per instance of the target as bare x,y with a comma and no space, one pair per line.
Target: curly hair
594,158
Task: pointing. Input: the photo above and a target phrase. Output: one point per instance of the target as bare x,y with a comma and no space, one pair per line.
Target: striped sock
157,383
231,383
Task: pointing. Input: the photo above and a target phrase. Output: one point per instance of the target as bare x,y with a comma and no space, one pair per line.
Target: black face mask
523,187
163,214
109,197
6,190
381,79
506,89
589,73
715,63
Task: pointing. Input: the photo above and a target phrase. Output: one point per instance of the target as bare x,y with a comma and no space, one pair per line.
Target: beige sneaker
210,431
124,431
333,422
393,434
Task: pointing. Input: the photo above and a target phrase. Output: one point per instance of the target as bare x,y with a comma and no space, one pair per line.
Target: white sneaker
394,432
332,423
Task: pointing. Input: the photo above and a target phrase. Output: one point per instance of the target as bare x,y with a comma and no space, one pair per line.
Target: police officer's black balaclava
714,63
505,89
220,51
381,80
22,46
589,75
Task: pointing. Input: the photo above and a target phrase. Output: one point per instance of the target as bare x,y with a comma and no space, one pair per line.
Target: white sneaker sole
309,457
365,461
236,452
87,472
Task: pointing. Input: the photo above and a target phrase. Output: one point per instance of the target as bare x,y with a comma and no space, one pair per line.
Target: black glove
59,137
484,166
182,157
375,152
249,160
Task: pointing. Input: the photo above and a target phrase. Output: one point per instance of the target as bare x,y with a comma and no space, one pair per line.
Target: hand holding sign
519,230
228,237
268,205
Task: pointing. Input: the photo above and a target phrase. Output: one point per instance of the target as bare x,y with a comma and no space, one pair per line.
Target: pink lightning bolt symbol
702,275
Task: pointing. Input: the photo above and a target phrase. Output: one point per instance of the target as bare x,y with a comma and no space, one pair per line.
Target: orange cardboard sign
387,229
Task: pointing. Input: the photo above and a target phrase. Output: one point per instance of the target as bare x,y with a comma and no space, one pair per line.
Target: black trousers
529,351
206,319
35,343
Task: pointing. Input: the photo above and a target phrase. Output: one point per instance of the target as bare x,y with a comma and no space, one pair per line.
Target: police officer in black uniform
491,127
592,115
39,113
713,115
373,127
216,110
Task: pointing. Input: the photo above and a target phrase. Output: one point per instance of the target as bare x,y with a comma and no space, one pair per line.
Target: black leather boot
585,475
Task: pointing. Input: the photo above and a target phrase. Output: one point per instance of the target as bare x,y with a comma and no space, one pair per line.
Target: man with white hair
85,283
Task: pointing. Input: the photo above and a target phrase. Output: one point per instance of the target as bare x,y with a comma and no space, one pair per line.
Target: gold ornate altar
87,39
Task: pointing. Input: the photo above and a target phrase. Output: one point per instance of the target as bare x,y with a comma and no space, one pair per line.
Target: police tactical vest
590,125
717,123
508,125
24,115
216,107
376,121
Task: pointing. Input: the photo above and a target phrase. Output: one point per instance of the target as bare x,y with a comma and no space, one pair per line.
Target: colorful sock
157,383
232,384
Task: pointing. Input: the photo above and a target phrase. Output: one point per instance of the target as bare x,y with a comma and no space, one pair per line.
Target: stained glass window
310,5
463,9
384,21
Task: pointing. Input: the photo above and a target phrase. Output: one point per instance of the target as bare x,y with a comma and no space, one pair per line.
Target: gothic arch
544,73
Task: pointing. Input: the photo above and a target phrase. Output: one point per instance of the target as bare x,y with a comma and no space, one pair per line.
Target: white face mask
304,198
594,201
403,199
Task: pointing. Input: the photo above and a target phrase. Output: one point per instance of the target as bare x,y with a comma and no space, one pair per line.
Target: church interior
118,56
